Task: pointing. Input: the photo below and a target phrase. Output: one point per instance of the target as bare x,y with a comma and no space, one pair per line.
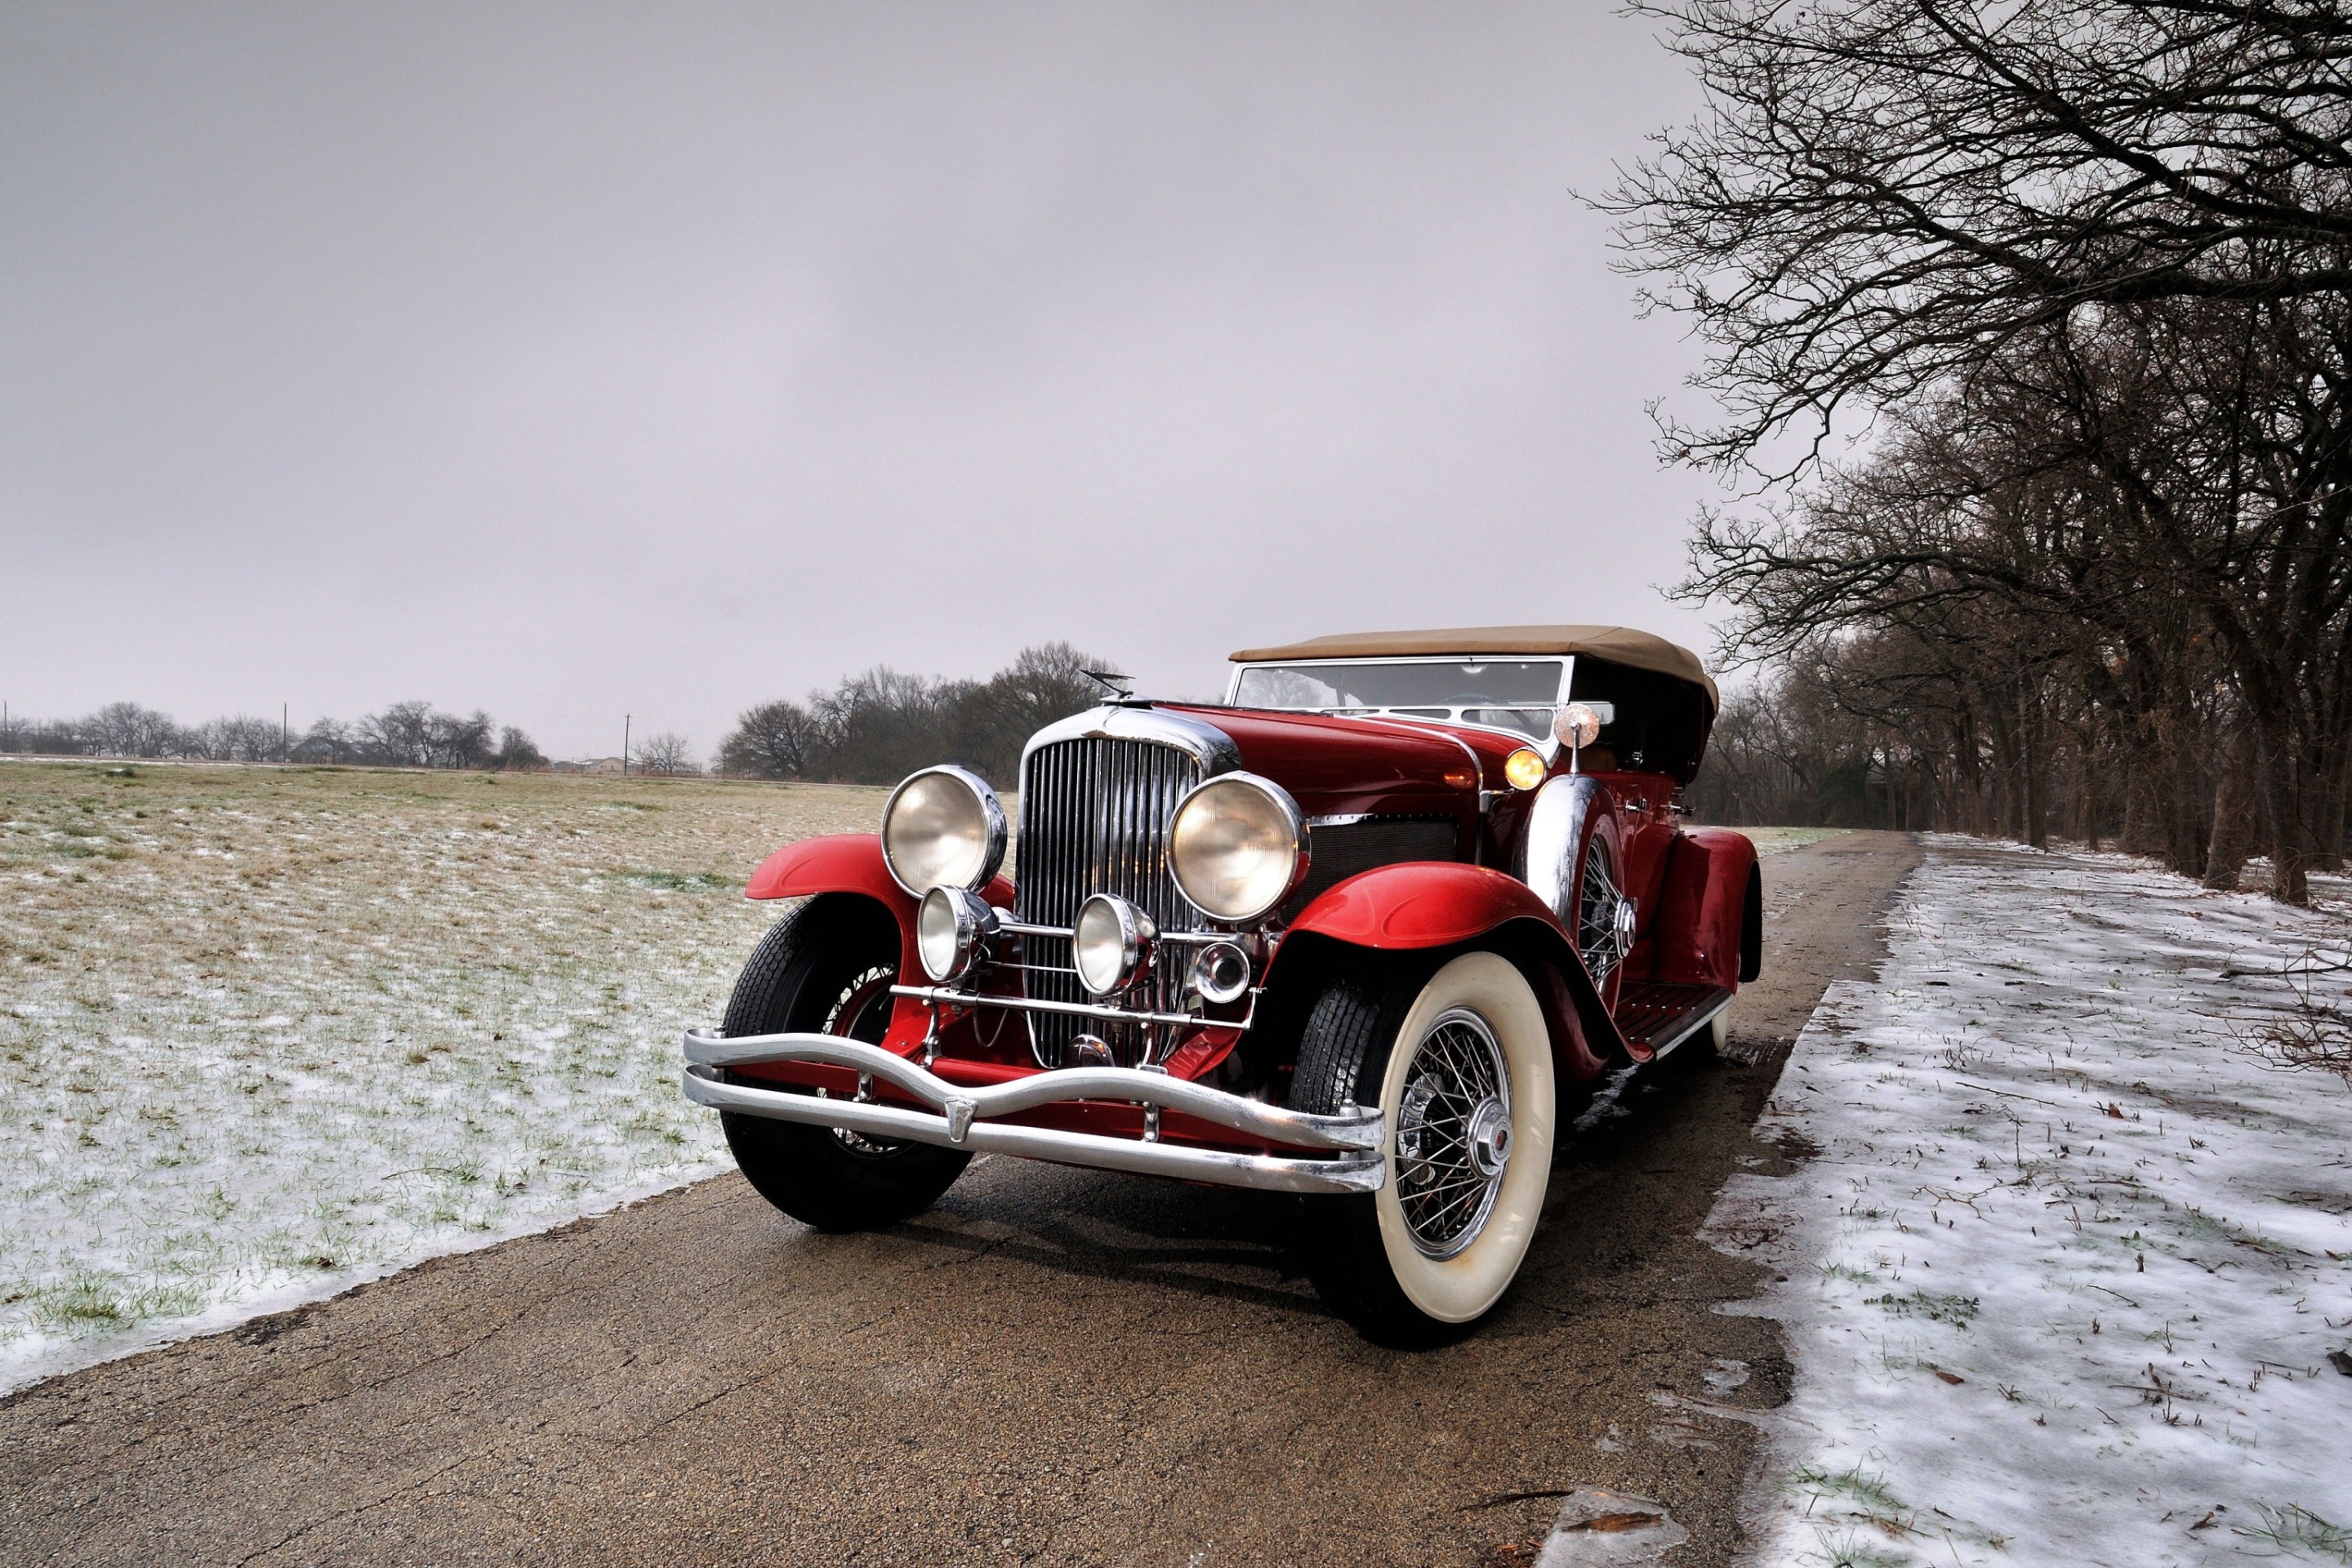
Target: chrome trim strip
1690,1027
941,997
1196,937
1208,745
1359,1128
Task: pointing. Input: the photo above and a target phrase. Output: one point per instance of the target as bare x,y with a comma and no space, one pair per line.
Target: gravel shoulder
1053,1366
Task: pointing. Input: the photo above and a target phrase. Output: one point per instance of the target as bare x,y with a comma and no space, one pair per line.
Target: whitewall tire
1461,1063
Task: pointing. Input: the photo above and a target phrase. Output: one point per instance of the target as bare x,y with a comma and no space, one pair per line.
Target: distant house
602,766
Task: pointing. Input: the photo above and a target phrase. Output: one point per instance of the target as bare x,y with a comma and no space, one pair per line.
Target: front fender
1430,904
846,863
852,863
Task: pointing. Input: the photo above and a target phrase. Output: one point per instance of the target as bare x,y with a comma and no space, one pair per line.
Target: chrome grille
1093,819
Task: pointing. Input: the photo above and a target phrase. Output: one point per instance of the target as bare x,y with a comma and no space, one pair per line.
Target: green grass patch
1957,1310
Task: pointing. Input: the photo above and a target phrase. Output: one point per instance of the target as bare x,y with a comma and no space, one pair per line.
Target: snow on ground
266,1033
2062,1280
1774,840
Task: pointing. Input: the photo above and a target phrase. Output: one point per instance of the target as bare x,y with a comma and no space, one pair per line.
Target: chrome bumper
964,1118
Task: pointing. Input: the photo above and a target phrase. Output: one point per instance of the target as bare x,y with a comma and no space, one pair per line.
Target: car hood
1335,766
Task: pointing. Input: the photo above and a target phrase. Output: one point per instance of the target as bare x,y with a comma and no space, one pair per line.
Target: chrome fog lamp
943,827
954,930
1221,972
1238,847
1109,943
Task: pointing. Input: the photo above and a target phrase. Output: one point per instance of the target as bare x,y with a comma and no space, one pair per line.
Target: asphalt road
1051,1366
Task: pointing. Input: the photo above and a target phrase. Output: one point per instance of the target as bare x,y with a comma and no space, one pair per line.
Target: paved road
1053,1366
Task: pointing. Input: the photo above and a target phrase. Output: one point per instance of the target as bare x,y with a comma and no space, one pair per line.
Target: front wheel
827,969
1460,1066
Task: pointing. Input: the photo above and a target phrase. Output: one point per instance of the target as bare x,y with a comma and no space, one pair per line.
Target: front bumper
967,1116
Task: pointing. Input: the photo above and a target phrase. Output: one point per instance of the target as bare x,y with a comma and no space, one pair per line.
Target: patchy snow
1777,840
2062,1276
267,1032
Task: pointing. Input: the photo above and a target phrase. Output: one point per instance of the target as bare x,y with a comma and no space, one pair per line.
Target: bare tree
517,753
668,754
774,741
2091,267
880,725
127,729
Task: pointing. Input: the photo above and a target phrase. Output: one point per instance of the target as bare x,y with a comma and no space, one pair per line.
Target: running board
1663,1017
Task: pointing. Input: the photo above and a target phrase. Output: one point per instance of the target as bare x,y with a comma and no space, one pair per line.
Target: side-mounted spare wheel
1460,1064
827,969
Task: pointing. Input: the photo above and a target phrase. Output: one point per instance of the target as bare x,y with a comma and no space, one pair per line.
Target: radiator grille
1093,819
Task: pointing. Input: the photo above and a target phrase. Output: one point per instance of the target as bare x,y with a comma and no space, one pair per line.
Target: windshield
1516,694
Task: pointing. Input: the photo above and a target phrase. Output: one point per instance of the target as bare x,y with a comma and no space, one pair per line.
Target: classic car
1367,932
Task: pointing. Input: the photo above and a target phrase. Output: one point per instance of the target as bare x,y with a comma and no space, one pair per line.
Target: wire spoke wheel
1458,1059
1453,1134
1600,935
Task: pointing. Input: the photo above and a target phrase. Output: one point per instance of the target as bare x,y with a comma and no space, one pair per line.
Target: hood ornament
1120,687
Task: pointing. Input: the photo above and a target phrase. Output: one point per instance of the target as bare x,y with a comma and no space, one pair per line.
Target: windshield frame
1546,744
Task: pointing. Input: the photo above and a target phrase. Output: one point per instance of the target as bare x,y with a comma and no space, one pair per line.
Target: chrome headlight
1110,942
943,827
954,930
1238,847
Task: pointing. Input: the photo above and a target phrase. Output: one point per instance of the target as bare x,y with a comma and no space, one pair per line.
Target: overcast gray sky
574,360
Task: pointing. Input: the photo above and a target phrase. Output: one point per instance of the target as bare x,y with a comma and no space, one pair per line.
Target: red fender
1701,908
853,863
846,863
1434,903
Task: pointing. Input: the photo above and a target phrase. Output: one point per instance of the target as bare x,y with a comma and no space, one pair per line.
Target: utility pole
285,729
624,743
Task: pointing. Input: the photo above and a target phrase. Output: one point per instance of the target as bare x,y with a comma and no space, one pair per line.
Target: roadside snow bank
2061,1282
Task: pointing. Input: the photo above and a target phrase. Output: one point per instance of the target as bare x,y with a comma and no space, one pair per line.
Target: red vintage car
1358,933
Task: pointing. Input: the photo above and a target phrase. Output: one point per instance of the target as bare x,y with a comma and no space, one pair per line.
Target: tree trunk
2234,817
2282,782
2035,757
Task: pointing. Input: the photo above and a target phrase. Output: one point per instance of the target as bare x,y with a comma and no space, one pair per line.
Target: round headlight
943,827
953,931
1238,847
1109,943
1525,768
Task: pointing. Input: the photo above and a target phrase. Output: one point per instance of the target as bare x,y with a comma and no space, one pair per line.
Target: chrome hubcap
1453,1132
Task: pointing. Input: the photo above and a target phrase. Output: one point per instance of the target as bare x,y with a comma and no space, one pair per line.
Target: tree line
2029,332
406,734
879,726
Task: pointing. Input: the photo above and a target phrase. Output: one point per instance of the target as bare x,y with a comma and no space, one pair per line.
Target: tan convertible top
1618,645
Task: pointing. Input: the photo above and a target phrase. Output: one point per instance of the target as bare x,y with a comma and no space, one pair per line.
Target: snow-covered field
268,1032
2063,1261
